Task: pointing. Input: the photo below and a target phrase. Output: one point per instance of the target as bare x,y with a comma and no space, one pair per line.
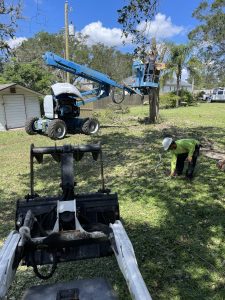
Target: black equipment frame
95,211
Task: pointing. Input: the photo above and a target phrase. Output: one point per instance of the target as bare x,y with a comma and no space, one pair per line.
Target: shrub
168,100
186,96
199,96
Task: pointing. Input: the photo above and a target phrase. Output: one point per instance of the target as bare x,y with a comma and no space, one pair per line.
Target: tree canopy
27,67
9,13
209,35
130,17
30,75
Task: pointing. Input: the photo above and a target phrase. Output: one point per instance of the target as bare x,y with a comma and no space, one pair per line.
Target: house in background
171,86
17,104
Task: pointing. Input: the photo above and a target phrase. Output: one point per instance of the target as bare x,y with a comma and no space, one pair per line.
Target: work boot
189,174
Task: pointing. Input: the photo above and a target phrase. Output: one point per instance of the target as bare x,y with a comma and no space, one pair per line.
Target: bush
200,94
186,96
168,100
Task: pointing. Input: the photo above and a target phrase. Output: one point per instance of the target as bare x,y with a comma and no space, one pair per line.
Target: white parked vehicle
206,97
217,95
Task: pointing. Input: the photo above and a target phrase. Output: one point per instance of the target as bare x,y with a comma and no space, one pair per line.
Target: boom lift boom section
104,81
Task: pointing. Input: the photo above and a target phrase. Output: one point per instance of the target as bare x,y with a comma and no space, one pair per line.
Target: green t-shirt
183,146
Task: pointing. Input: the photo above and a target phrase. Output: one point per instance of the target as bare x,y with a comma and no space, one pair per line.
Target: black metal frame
95,211
66,155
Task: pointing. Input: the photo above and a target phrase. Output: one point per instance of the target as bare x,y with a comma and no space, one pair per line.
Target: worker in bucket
150,65
182,150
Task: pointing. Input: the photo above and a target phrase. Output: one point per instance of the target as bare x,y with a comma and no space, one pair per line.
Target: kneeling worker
181,150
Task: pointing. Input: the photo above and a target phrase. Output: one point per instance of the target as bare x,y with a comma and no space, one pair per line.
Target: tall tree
9,13
27,66
30,75
178,60
110,61
195,68
133,14
160,51
209,35
35,47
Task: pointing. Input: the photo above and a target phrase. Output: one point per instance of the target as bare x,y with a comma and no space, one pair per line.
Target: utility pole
67,38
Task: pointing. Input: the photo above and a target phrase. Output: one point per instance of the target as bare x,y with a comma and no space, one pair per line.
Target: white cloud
97,33
16,42
161,27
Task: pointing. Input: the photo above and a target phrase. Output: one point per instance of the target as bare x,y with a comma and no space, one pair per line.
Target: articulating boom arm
56,61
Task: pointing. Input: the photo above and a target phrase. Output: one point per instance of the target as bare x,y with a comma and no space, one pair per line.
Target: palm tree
178,60
194,67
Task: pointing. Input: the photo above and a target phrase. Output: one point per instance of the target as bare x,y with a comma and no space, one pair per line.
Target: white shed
17,104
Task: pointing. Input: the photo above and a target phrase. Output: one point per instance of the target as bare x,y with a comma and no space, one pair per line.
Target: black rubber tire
29,126
57,129
90,126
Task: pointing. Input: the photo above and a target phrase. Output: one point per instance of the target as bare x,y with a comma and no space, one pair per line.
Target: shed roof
8,85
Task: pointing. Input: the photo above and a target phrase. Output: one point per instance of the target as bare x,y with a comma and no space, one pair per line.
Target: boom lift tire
90,126
57,129
29,126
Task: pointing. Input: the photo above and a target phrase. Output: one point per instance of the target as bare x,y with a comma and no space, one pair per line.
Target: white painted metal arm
127,262
7,255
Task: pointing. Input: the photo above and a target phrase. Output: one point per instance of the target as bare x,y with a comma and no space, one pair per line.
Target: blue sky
98,19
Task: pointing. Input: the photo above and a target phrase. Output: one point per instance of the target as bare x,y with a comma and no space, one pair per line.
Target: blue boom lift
62,108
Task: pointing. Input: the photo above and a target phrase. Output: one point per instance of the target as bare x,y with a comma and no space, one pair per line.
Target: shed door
14,111
32,107
2,115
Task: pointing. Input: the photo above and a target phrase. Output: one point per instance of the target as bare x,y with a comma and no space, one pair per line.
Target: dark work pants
191,165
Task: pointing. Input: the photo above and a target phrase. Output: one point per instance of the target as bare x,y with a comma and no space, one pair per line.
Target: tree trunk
178,87
157,102
153,97
193,85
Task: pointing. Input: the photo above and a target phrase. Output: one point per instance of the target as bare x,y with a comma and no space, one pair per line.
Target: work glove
189,159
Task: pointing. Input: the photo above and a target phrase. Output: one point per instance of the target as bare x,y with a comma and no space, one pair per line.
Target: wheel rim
60,131
93,127
33,125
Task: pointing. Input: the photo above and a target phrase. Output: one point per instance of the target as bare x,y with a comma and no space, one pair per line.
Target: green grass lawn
177,228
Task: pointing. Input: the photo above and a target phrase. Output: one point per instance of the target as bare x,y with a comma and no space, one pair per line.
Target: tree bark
178,87
153,97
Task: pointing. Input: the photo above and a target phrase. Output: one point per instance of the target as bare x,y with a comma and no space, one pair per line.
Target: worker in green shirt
184,149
